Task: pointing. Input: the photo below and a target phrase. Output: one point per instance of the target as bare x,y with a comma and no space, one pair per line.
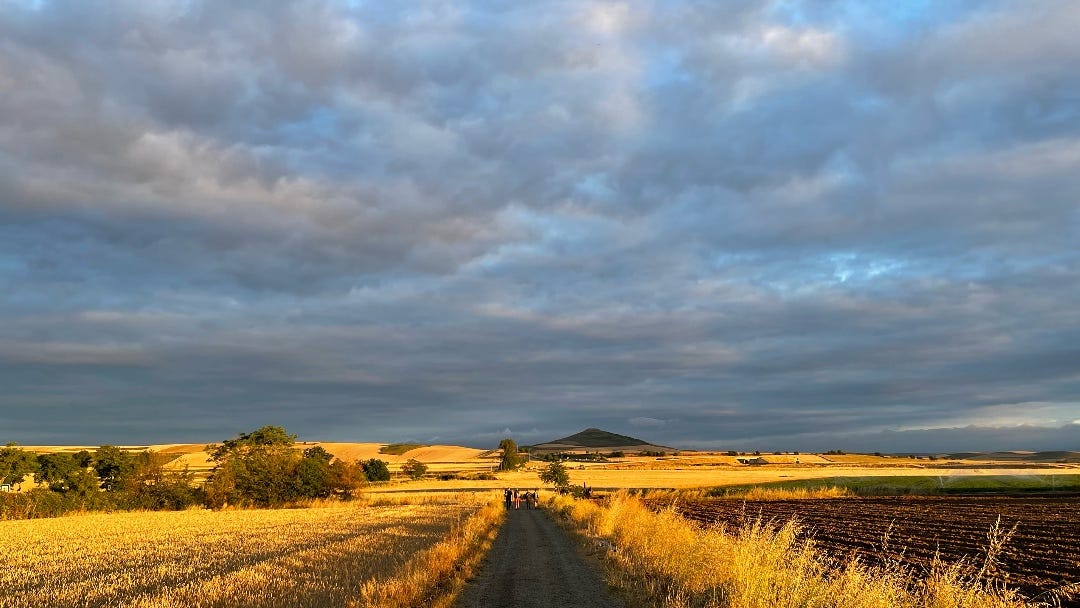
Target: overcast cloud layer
754,224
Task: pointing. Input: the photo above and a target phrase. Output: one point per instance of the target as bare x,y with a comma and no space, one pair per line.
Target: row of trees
263,468
108,478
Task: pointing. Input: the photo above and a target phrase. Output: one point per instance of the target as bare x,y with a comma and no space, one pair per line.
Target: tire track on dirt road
534,564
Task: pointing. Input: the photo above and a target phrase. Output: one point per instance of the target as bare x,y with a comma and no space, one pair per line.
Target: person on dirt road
507,496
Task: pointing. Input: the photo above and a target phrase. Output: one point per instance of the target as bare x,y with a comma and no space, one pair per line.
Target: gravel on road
534,564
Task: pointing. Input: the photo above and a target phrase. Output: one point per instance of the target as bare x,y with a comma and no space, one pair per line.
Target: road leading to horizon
534,564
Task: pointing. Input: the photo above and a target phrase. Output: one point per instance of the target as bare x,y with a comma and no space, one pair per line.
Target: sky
746,224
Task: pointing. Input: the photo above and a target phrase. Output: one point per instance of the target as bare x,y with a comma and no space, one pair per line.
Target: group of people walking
513,498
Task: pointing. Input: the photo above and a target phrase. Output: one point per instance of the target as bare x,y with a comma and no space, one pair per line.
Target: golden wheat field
343,555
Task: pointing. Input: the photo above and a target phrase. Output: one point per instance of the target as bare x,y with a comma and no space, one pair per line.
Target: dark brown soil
1042,555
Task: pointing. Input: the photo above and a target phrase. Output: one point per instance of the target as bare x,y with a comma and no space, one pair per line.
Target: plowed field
1043,553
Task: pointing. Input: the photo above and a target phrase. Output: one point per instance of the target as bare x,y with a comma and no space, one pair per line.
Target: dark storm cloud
706,223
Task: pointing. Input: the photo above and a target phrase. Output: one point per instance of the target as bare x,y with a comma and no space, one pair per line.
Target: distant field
892,485
438,458
397,449
300,557
863,472
710,477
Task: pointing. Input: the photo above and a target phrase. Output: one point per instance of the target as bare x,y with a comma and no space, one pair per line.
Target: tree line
263,468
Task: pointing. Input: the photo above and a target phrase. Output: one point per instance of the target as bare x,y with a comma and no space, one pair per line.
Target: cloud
646,422
376,221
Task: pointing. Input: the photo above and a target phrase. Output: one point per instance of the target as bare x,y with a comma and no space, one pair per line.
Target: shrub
555,474
376,470
414,469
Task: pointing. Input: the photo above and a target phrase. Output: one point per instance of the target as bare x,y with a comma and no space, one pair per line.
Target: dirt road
534,564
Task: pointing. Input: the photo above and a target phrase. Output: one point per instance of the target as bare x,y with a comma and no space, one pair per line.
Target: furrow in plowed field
1043,553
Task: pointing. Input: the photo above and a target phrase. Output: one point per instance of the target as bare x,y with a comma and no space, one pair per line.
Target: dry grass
707,477
752,493
764,493
435,577
343,555
659,559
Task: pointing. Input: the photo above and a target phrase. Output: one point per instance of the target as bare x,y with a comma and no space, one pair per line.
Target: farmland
657,557
1042,554
609,478
338,555
457,468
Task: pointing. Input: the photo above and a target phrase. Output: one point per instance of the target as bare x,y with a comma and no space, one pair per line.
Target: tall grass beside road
660,559
435,577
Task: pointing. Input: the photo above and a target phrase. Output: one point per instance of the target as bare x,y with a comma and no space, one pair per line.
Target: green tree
414,468
318,453
320,475
16,464
376,470
257,468
555,474
83,459
63,474
511,458
315,478
151,485
266,437
113,466
347,477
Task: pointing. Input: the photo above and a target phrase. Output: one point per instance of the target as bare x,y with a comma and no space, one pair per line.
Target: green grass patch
397,449
921,485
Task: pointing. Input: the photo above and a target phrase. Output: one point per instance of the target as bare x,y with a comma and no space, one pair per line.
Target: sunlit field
662,559
342,555
722,475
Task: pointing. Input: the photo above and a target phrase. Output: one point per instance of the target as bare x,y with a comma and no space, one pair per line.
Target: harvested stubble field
1042,555
346,555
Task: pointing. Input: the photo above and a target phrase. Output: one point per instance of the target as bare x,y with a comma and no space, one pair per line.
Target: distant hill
594,439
